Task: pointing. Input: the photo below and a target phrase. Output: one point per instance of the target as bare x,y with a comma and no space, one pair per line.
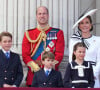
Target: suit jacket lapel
50,75
43,75
11,59
3,60
45,78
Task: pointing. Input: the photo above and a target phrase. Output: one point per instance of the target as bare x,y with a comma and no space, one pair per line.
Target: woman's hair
89,17
80,44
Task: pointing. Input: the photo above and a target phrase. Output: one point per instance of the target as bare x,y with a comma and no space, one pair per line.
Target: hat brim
90,13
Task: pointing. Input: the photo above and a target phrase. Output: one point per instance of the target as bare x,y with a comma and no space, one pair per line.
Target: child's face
80,53
6,43
48,63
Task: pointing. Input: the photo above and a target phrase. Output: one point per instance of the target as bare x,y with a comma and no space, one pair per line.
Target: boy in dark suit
47,77
11,72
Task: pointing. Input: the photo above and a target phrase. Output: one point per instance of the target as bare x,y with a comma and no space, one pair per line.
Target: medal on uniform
51,44
47,49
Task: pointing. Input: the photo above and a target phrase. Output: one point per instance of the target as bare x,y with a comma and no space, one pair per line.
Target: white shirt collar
5,51
47,69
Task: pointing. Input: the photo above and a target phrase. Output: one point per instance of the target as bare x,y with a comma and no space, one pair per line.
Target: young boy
47,77
11,72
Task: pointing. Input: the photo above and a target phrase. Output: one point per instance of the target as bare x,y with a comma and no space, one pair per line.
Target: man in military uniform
42,38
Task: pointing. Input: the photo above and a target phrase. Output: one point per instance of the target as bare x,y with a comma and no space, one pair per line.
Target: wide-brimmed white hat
91,12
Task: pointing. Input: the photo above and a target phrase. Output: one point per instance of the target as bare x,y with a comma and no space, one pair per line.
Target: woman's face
85,25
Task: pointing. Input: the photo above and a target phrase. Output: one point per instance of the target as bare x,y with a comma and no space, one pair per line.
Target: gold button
5,78
12,78
5,71
44,83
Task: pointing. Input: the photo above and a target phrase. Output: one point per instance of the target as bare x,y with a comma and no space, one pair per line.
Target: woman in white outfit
92,43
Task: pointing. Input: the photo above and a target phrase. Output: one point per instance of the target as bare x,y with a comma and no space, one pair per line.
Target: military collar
43,28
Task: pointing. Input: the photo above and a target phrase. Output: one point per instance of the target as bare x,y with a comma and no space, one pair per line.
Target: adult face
85,25
42,16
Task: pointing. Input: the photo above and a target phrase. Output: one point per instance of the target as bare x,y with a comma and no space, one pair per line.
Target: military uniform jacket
53,80
56,46
76,77
11,71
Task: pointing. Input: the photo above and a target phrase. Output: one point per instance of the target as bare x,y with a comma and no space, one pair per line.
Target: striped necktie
7,55
47,72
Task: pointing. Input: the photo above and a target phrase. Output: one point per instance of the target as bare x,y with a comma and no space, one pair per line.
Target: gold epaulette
30,40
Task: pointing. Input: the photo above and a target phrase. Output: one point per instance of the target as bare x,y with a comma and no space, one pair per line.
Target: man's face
6,43
42,16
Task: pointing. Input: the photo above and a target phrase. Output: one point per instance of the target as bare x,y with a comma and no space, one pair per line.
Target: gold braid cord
42,36
34,66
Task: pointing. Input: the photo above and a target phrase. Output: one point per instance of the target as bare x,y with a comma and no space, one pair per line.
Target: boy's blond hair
5,34
48,55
